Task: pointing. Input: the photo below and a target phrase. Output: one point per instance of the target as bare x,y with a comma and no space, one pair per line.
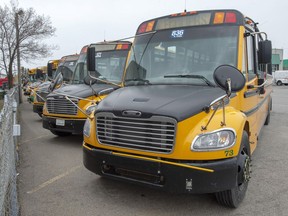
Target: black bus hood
176,101
81,90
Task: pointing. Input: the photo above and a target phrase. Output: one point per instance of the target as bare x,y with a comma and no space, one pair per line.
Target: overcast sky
81,22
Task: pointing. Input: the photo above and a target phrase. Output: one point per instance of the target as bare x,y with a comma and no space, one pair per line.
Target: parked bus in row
194,100
67,108
66,67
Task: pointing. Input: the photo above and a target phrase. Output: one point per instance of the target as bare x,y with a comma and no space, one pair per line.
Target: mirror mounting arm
217,102
247,34
257,86
223,123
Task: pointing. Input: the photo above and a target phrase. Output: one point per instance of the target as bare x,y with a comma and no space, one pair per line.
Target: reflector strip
163,161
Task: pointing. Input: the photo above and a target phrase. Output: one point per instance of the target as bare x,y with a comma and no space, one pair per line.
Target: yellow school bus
65,66
67,108
196,95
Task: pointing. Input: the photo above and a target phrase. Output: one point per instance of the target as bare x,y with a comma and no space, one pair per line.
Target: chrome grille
155,134
62,106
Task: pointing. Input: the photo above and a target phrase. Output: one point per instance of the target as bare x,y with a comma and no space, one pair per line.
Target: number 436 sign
177,33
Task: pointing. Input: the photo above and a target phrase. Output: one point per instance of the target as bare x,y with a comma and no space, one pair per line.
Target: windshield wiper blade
209,83
138,81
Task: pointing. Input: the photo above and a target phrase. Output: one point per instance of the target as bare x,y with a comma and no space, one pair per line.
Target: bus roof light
150,26
230,17
84,49
219,17
119,47
125,46
142,28
122,46
146,27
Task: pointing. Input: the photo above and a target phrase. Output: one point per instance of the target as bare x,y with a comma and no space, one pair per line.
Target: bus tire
279,83
234,196
60,133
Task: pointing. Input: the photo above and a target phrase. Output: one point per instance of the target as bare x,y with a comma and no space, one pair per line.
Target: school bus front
172,127
67,108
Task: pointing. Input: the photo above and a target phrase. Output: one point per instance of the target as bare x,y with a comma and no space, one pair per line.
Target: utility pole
17,14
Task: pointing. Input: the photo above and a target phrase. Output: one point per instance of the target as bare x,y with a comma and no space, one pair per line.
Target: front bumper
74,126
38,108
163,176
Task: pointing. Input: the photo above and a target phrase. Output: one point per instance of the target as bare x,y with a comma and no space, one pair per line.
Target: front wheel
233,197
279,83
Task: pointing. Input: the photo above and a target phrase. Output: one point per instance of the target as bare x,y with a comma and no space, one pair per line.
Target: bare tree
32,29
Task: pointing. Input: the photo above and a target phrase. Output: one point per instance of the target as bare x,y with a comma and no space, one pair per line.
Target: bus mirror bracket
231,80
265,47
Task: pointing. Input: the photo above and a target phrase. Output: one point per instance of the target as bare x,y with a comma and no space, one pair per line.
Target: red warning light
230,17
142,28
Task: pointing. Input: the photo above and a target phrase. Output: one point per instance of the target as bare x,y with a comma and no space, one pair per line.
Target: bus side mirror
269,69
91,59
265,52
229,78
50,70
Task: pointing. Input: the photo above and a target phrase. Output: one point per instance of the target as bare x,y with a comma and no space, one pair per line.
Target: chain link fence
9,204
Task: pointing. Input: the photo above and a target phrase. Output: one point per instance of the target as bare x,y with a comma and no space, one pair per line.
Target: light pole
17,14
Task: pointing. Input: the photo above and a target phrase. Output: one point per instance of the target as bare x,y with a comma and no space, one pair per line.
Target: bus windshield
80,70
182,55
109,66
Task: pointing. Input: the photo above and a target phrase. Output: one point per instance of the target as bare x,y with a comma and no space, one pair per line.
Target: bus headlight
90,109
220,139
87,127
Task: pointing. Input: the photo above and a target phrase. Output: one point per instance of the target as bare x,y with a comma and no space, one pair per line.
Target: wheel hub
247,169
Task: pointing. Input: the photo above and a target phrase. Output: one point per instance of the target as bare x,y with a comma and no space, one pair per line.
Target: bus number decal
177,33
98,55
229,153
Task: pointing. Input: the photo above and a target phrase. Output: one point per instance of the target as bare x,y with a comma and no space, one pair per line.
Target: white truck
281,77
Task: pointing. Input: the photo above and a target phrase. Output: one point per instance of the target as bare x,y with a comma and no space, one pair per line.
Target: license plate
60,122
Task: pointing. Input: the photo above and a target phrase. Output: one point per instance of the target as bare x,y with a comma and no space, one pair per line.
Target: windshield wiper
191,76
138,81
